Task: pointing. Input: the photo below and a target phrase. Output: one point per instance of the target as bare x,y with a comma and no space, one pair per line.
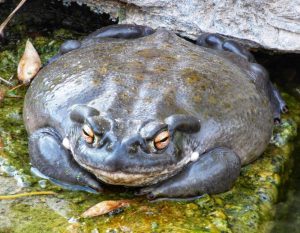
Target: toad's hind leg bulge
123,31
217,42
50,158
65,47
259,73
214,172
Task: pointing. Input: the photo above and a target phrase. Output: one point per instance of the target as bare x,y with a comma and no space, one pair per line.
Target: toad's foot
122,31
217,42
279,105
214,172
66,47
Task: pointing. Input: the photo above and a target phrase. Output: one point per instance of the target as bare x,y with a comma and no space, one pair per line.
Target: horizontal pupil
85,133
164,139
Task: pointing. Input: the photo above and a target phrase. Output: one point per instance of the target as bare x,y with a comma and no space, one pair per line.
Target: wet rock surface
271,24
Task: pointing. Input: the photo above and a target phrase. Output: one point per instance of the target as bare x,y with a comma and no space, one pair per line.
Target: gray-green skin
218,106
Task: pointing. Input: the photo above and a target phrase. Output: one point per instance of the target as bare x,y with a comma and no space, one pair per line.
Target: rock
8,185
273,25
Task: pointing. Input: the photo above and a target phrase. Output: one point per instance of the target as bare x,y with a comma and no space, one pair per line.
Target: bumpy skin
218,107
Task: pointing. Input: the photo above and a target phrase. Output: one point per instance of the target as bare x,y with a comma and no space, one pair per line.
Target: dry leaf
29,64
104,207
2,94
1,144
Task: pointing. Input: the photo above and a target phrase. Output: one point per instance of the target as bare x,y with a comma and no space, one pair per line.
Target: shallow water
248,207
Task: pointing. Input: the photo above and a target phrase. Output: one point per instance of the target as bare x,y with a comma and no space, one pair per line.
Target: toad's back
152,78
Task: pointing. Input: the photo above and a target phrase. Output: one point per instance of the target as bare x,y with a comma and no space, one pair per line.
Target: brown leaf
29,64
2,94
104,207
1,144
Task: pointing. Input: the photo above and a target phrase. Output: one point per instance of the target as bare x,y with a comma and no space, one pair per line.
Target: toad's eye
162,140
88,134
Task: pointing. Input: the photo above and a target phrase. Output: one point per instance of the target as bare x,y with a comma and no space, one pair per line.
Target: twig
14,196
14,96
11,77
3,25
16,87
6,82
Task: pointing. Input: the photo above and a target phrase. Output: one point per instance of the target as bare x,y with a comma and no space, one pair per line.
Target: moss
28,218
121,14
283,132
150,53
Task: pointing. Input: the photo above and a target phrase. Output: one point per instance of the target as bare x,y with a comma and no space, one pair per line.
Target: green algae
247,207
22,214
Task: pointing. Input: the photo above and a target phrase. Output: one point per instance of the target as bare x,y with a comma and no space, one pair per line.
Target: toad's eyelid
150,135
95,127
95,130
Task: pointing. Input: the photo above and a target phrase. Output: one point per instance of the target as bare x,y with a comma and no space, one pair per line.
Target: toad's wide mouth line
138,178
121,178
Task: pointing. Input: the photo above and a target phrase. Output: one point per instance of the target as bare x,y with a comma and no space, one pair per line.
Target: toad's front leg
214,172
51,159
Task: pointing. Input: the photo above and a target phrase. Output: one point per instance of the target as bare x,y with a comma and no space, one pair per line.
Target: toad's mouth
140,179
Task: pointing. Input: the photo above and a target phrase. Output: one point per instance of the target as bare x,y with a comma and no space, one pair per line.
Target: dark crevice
39,17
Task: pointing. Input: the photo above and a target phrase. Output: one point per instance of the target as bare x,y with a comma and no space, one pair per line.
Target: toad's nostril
109,147
133,143
109,140
132,149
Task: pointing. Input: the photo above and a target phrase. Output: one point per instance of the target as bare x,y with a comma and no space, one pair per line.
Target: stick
14,96
14,196
3,25
11,77
16,87
6,82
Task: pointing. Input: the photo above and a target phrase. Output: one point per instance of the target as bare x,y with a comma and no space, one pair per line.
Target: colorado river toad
136,107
